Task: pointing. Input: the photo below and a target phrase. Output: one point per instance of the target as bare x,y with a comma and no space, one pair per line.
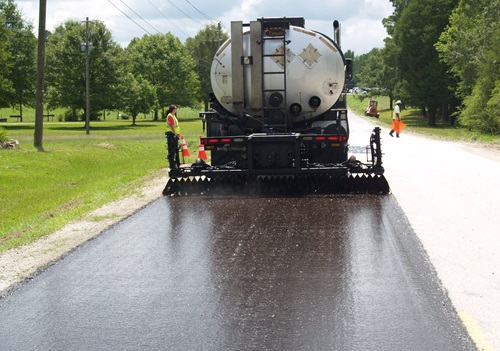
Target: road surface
315,273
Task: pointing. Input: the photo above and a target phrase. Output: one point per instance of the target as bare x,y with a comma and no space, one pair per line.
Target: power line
140,17
168,19
204,15
185,14
129,17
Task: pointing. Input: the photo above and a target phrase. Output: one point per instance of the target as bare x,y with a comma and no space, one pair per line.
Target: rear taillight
331,138
213,141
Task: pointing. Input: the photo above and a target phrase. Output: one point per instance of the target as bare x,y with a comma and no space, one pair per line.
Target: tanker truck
277,122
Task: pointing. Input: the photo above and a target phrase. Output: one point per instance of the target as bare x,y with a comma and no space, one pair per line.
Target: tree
423,73
164,62
358,64
22,48
482,105
6,62
66,67
468,46
203,48
137,95
380,71
463,45
390,22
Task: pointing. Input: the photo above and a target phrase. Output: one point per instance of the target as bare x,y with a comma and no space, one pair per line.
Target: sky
361,20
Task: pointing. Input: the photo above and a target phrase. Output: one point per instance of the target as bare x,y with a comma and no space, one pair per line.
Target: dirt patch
22,263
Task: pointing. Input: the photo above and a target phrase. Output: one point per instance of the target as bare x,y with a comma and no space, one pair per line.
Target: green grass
418,124
42,191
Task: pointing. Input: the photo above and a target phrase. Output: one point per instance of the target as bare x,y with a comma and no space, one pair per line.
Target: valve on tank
315,102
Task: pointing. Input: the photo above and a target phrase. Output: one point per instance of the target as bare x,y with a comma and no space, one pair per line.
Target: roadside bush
3,135
481,110
70,116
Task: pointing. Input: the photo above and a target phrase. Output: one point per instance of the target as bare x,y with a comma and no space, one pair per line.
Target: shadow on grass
417,120
76,126
18,127
97,127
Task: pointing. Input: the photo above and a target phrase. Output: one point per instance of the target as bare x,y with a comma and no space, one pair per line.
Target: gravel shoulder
25,262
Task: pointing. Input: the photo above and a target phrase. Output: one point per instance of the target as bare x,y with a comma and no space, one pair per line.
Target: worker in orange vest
173,135
397,125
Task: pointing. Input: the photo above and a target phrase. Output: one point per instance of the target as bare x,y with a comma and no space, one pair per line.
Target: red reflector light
334,138
330,138
218,141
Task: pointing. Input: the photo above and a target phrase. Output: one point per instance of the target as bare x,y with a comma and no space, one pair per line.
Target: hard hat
398,102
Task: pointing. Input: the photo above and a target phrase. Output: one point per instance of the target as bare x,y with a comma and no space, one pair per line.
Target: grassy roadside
40,192
418,124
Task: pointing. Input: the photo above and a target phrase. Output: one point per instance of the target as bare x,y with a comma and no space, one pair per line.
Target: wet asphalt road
314,273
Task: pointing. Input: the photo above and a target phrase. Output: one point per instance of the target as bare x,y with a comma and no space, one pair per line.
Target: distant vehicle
358,90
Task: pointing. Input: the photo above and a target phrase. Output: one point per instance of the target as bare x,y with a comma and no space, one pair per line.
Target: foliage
66,67
162,60
137,96
483,105
6,61
464,43
390,22
3,135
358,66
416,32
22,48
469,46
203,48
380,71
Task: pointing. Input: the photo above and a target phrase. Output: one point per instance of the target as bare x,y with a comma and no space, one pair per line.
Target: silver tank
314,73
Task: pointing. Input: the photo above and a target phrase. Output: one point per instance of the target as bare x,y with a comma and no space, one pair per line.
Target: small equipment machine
372,109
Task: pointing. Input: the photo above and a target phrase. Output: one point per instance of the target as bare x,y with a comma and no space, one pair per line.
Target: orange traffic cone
201,152
185,150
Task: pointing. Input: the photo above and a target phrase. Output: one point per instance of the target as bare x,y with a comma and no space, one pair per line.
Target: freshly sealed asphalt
208,273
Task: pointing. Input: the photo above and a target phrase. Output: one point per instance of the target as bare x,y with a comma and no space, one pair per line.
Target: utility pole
87,80
38,140
219,33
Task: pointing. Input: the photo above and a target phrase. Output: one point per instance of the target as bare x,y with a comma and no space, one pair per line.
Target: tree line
148,75
441,56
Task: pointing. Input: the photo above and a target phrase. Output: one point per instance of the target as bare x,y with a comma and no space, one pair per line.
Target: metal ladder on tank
279,26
